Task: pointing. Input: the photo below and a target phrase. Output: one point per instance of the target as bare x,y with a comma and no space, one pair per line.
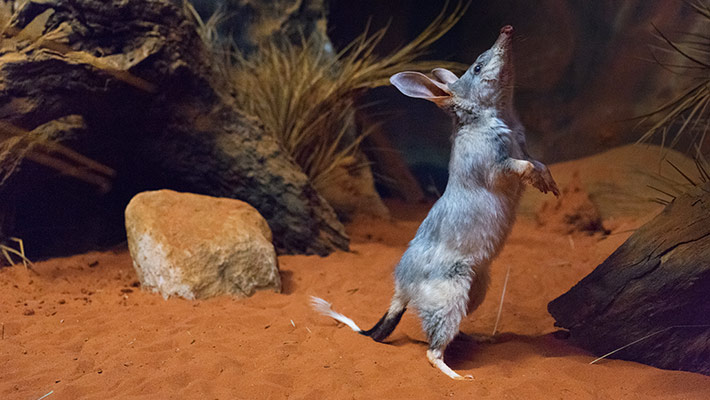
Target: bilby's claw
436,359
463,378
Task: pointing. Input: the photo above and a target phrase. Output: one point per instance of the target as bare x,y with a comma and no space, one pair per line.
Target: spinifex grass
686,114
676,187
305,94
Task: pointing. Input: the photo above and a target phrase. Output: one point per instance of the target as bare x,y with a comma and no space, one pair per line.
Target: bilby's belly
466,229
475,226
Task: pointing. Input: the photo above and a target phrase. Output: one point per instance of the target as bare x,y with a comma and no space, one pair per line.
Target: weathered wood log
657,283
141,79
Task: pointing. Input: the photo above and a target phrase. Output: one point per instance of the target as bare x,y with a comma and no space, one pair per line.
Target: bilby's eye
477,69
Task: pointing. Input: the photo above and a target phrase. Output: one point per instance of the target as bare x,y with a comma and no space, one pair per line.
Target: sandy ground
82,328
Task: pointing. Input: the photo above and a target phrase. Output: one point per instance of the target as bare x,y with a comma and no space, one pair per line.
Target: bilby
444,273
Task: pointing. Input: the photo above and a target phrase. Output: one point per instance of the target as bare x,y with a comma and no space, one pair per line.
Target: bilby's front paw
543,179
536,173
523,168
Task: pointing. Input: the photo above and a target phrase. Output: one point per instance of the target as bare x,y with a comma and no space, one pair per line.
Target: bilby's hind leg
441,313
438,340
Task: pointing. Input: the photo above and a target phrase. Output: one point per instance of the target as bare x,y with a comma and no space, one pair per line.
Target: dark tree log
141,79
657,281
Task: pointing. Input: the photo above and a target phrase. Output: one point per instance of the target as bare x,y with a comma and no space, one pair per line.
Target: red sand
80,329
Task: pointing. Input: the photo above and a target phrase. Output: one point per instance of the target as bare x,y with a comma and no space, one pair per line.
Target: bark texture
656,283
141,80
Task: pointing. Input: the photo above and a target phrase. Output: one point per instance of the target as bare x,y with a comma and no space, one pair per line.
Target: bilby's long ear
444,75
416,84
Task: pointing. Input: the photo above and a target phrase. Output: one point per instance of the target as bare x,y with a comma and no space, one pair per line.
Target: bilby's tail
382,328
323,307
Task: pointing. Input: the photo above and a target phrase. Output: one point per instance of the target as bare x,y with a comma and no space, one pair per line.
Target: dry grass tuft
304,93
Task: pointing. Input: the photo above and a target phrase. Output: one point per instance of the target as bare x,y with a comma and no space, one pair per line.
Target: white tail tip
324,308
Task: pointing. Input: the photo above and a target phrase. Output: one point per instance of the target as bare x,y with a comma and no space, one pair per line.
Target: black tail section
384,326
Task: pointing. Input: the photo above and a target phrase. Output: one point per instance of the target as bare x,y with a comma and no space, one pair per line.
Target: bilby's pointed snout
506,36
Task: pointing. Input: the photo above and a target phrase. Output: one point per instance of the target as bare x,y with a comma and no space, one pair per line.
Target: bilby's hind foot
436,359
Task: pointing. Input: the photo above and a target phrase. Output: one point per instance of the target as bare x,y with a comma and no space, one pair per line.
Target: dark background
584,68
584,72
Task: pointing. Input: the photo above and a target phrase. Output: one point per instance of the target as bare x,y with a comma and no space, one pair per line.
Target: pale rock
197,246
